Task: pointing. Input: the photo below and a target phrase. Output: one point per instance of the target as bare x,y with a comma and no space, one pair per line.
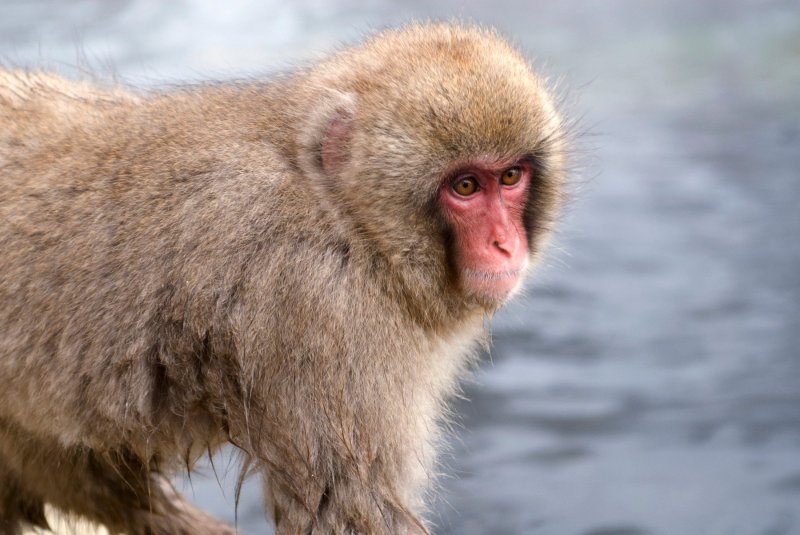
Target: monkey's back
37,109
124,225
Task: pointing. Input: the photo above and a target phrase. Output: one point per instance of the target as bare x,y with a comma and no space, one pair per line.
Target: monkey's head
445,150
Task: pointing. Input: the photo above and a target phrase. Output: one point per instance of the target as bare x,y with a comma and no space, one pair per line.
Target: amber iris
511,176
465,186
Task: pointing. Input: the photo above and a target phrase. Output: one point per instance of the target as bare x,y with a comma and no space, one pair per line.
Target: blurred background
649,381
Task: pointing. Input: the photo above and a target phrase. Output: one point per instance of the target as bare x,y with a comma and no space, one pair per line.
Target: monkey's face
484,204
447,155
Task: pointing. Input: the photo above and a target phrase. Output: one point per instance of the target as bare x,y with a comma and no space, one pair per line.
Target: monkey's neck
427,299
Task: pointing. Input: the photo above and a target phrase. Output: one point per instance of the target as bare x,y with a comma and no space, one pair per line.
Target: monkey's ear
326,138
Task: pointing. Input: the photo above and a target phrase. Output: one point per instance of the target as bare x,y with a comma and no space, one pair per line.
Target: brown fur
260,263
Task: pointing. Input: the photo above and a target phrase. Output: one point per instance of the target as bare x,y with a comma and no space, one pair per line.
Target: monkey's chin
492,288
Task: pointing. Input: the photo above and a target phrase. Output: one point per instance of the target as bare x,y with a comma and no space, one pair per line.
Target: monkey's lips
492,285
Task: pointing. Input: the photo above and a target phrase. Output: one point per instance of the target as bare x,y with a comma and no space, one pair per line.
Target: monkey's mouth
492,276
492,286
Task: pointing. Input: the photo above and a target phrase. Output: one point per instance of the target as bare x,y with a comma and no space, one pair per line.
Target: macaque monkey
301,267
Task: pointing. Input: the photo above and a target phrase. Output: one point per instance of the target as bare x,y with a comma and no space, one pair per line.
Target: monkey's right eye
465,186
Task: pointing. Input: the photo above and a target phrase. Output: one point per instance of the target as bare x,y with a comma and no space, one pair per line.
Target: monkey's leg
350,506
18,507
121,493
111,488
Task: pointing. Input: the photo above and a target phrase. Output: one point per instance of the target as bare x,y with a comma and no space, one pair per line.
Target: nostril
504,247
506,243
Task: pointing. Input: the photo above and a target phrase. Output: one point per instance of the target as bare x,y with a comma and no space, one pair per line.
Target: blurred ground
649,383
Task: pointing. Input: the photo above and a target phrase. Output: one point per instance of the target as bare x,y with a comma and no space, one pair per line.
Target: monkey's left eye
511,176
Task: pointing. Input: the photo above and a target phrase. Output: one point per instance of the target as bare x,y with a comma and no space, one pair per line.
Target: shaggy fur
260,263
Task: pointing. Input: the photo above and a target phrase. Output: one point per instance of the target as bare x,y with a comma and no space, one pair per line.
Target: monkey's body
183,269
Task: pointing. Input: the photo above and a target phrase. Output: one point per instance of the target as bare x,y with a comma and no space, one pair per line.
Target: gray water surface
649,381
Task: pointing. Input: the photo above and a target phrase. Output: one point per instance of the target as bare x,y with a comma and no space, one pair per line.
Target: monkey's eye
511,176
465,186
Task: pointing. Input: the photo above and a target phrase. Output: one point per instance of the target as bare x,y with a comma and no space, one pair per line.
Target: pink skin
491,246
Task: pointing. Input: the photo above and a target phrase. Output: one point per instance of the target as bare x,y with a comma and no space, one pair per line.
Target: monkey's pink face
484,204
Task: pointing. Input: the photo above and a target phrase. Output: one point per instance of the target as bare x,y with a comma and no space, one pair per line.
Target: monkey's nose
506,243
